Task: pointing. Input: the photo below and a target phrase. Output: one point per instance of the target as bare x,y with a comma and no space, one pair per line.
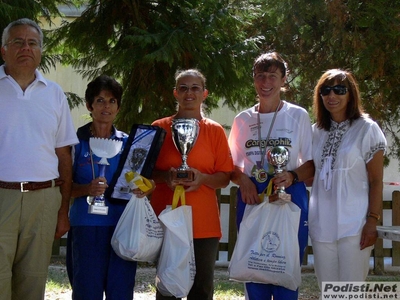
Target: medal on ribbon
260,175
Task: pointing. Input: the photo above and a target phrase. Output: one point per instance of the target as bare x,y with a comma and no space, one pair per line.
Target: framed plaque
139,155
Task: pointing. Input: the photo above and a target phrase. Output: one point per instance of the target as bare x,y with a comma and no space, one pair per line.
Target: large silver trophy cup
184,135
278,157
103,148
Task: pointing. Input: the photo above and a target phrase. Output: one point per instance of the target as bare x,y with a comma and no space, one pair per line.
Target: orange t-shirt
210,154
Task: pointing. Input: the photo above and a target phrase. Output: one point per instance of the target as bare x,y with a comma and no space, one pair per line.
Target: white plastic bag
176,266
138,235
267,248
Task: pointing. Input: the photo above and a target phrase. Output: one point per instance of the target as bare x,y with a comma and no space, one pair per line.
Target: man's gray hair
23,21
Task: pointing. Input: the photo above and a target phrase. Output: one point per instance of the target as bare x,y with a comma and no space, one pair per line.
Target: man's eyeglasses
196,89
19,43
337,89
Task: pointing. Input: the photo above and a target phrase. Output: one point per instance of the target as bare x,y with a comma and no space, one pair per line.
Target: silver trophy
184,135
278,157
103,148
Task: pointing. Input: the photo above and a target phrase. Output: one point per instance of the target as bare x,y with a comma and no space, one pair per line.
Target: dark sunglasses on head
337,89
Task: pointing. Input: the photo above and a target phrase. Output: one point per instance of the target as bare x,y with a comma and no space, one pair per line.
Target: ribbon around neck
179,194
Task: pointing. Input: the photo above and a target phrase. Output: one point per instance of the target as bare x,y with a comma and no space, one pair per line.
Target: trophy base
183,175
98,210
280,198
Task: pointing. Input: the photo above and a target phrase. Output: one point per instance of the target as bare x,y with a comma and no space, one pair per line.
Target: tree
362,36
143,43
11,10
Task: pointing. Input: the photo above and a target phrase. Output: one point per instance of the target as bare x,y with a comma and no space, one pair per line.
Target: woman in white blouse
346,197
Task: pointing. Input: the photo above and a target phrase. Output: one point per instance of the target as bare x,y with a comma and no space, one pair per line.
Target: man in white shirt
36,133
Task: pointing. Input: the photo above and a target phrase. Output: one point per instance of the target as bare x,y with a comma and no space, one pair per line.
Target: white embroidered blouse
339,195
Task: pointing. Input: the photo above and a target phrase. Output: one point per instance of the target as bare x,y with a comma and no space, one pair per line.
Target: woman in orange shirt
211,162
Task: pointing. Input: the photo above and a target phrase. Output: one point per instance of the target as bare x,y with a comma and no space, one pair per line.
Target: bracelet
295,177
374,215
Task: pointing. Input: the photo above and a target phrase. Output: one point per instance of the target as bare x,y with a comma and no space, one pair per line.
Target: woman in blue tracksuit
271,122
93,267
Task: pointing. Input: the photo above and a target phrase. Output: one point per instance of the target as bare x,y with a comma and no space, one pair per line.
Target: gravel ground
143,287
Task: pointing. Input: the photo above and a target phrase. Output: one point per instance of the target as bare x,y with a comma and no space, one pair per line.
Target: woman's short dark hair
270,61
334,77
103,82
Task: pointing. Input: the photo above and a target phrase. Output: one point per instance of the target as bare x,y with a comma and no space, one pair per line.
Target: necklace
260,174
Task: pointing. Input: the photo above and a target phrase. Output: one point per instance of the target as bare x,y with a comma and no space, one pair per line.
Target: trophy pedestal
280,198
98,210
183,175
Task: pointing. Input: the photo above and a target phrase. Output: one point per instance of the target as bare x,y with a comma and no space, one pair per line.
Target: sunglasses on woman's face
337,89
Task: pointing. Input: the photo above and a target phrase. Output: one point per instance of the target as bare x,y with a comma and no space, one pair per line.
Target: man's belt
30,186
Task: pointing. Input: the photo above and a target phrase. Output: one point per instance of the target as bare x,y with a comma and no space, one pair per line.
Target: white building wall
71,82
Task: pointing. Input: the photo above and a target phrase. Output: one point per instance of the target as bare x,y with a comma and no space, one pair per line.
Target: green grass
226,289
57,279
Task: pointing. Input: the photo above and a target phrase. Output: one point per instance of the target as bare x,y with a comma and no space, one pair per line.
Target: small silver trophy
278,157
184,135
104,148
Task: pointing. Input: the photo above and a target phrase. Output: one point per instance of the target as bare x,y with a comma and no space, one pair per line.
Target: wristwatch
295,177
